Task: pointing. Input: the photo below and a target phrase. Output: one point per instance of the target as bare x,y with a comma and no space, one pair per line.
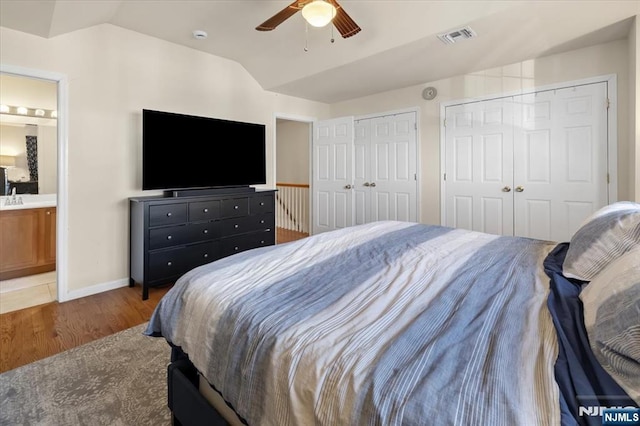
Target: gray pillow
611,304
606,235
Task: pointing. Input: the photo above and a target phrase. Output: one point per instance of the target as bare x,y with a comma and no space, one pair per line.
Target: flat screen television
184,152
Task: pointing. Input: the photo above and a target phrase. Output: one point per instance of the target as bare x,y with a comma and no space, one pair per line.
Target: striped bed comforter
387,323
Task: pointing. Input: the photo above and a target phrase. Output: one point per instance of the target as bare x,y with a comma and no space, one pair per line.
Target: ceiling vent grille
457,35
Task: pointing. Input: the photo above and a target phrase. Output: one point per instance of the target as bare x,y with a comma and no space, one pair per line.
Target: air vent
457,35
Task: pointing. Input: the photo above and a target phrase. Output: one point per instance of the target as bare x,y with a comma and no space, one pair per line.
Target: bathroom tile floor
24,292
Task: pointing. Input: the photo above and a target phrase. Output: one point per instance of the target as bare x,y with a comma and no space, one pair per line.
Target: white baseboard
98,288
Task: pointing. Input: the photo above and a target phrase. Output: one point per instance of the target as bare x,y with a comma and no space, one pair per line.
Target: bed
397,323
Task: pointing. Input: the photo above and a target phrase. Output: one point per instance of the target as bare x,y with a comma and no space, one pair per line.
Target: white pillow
606,235
612,319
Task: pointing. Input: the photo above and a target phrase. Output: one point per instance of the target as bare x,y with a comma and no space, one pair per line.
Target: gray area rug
117,380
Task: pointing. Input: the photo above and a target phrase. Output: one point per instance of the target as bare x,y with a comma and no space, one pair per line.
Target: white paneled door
364,170
479,166
332,174
533,165
385,168
560,160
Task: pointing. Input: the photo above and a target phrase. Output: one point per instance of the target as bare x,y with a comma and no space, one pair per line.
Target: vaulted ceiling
397,47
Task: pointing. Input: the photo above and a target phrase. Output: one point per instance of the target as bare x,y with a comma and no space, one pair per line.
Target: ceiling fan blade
279,17
343,22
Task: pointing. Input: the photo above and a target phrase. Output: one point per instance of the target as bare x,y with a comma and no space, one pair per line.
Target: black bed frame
188,407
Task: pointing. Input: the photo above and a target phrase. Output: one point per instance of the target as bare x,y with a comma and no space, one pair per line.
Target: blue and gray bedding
585,387
386,323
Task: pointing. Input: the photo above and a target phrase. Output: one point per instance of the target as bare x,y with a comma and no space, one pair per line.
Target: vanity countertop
29,201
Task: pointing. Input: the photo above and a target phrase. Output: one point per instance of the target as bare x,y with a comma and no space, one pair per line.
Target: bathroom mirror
28,131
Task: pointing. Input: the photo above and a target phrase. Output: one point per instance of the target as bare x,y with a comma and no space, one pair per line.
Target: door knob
519,188
348,187
366,184
506,189
373,184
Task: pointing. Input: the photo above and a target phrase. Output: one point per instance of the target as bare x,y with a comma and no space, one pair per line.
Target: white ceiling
397,47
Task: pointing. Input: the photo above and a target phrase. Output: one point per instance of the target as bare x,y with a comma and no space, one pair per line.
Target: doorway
293,147
33,119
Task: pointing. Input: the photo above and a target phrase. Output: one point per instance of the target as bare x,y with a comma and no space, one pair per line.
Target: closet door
362,171
479,166
385,168
332,174
560,160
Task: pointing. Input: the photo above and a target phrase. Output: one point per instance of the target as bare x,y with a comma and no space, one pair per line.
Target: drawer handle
48,212
169,263
206,210
168,237
235,207
206,255
206,231
262,204
268,229
262,242
235,226
262,221
235,248
169,214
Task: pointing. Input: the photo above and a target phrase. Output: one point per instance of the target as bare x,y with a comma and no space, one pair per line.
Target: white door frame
612,132
62,184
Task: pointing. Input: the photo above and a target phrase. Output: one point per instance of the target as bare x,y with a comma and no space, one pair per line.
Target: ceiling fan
318,13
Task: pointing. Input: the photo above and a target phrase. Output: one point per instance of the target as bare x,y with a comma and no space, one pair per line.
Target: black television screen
189,152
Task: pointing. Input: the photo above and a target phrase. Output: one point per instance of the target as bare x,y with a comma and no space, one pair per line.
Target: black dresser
172,235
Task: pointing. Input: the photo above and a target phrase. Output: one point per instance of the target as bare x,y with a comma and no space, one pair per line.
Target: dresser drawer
204,210
179,260
168,236
167,214
235,226
261,204
203,231
232,245
167,263
266,222
242,225
199,254
234,207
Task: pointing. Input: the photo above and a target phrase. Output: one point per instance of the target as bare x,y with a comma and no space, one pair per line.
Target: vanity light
29,112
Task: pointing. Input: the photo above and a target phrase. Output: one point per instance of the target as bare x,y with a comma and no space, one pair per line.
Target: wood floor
28,335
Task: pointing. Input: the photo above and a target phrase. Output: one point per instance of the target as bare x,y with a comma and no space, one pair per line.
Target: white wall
292,151
112,75
602,59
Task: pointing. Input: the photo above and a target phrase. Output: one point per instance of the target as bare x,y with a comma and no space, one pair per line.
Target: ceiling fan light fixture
318,13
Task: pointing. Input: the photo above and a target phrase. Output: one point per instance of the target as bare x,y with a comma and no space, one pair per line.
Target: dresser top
222,194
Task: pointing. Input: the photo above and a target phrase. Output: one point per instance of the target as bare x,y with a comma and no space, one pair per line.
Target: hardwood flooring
30,334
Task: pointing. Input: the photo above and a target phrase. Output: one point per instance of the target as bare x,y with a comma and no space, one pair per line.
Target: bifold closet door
479,166
332,174
532,165
560,160
385,168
